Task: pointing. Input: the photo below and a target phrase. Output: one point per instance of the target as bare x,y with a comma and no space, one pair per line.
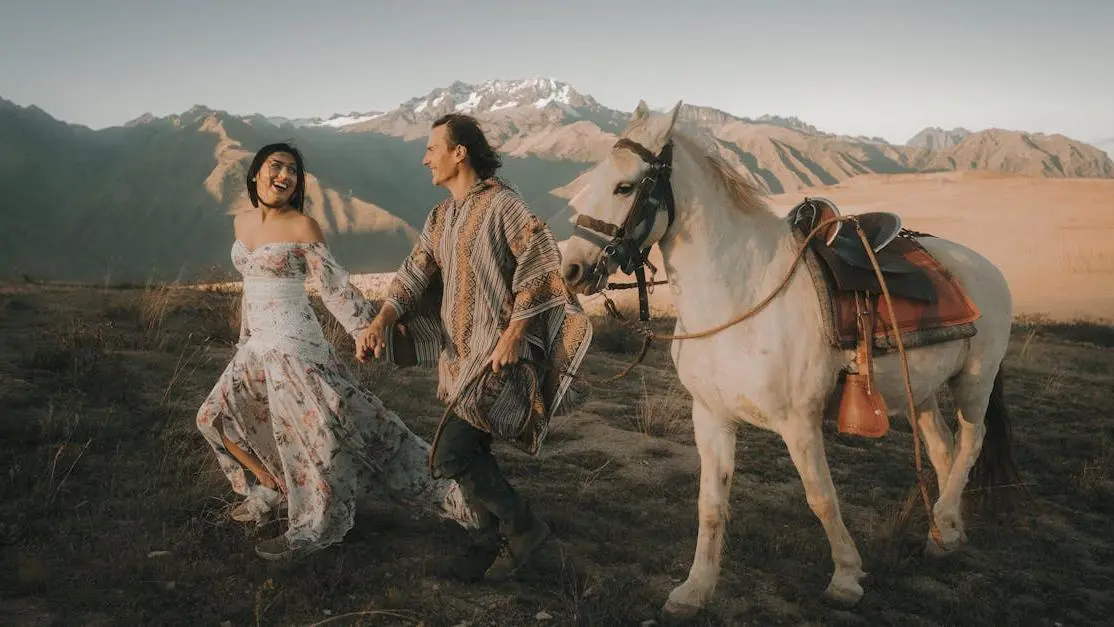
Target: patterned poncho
480,264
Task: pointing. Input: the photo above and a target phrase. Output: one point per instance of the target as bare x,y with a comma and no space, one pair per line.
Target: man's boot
484,547
518,548
524,532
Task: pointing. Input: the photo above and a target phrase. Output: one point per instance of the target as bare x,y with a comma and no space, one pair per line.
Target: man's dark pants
464,454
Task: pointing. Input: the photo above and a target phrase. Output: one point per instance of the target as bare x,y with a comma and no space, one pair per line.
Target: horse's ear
638,118
662,131
673,117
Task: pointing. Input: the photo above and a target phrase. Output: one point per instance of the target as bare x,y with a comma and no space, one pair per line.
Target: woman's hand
372,341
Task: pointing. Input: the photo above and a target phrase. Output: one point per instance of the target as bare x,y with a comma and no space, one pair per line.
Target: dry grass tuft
73,354
612,336
664,413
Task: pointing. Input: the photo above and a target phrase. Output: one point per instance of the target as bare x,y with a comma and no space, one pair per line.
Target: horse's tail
995,484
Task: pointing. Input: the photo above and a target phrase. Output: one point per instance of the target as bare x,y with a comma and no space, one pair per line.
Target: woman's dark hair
464,130
297,199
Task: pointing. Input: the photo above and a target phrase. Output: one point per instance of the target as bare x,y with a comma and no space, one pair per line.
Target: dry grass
1094,333
112,509
615,336
663,413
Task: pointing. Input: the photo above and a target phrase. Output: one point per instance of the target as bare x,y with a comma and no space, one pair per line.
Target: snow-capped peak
495,95
340,120
550,98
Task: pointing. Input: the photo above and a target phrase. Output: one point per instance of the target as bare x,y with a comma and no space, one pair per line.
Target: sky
885,68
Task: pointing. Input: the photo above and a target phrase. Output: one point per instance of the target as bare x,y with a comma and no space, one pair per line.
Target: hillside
1029,154
151,198
114,510
936,139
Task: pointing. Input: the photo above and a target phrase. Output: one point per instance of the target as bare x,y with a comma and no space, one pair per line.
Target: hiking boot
483,547
517,550
471,565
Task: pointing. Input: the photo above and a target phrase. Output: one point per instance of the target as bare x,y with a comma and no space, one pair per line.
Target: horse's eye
624,189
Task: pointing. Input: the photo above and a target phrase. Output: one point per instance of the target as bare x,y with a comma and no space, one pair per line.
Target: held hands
373,339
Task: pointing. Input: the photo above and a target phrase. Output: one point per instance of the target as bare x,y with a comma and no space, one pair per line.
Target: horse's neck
722,261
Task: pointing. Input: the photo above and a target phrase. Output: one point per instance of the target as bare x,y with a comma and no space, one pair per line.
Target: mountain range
151,198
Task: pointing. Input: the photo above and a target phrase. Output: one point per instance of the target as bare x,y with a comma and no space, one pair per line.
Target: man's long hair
464,130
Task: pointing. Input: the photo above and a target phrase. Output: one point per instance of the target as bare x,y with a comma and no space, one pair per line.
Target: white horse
724,251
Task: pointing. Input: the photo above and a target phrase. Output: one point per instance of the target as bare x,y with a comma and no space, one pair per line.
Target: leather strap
643,297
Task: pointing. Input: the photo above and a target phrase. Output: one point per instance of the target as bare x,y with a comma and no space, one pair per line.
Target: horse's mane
743,194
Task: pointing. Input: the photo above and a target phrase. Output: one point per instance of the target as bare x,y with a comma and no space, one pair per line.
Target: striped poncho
480,264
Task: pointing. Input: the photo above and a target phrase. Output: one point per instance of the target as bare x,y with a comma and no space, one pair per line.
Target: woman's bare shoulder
303,228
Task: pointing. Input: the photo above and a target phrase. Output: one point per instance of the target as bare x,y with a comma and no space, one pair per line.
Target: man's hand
510,343
373,339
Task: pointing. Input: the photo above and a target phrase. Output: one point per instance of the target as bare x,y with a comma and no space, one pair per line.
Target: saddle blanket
947,315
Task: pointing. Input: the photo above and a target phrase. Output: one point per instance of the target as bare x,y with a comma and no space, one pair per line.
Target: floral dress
287,399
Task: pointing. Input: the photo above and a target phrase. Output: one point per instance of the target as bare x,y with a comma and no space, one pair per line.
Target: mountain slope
551,120
152,199
936,139
154,196
1030,154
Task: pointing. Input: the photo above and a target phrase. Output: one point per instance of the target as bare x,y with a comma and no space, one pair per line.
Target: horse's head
625,204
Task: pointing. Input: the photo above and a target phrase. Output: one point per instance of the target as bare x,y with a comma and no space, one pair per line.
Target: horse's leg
972,396
937,439
805,441
715,440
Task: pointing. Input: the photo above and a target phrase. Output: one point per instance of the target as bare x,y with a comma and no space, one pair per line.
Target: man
482,294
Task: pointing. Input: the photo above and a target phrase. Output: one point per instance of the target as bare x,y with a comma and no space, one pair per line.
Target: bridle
627,252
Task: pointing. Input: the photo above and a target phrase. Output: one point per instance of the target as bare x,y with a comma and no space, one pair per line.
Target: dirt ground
112,510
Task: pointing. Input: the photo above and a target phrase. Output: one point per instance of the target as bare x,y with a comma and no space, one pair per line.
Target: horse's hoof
843,598
938,551
679,611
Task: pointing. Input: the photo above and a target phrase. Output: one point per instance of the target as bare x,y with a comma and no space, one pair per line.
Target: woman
287,421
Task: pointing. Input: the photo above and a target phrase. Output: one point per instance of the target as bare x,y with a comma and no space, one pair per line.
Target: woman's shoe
249,511
278,548
259,507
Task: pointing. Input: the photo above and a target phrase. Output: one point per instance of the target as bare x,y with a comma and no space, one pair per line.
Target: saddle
929,303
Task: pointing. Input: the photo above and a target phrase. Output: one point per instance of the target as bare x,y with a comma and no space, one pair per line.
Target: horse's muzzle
583,279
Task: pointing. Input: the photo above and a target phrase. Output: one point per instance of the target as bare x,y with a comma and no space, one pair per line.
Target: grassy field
112,510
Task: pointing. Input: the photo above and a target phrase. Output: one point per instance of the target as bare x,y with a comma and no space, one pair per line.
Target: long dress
287,399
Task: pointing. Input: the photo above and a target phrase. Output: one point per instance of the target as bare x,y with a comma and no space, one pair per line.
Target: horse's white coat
725,252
